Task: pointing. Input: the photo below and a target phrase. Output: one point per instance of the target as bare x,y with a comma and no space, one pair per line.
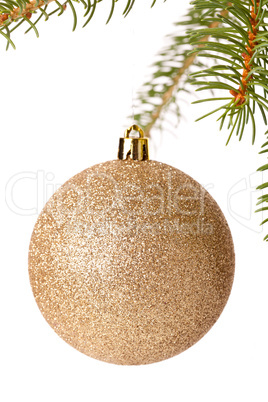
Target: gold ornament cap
135,148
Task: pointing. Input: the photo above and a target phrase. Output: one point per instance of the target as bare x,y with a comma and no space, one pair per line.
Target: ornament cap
134,147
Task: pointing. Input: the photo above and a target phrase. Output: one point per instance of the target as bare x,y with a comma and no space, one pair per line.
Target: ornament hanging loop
135,148
134,128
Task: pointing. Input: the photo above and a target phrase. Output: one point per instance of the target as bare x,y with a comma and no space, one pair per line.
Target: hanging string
133,70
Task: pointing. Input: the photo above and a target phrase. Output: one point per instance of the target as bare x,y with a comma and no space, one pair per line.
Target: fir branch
242,42
233,33
263,200
12,11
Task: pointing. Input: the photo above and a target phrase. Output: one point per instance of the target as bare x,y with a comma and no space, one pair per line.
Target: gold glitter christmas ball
131,262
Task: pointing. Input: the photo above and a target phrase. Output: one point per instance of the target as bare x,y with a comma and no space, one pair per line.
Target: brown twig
240,97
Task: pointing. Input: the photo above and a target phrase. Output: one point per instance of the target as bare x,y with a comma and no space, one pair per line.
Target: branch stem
247,75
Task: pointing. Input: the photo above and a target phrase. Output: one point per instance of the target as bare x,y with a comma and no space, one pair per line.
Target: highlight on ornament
131,261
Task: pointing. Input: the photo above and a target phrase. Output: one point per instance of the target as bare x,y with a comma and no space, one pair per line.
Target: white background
64,102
